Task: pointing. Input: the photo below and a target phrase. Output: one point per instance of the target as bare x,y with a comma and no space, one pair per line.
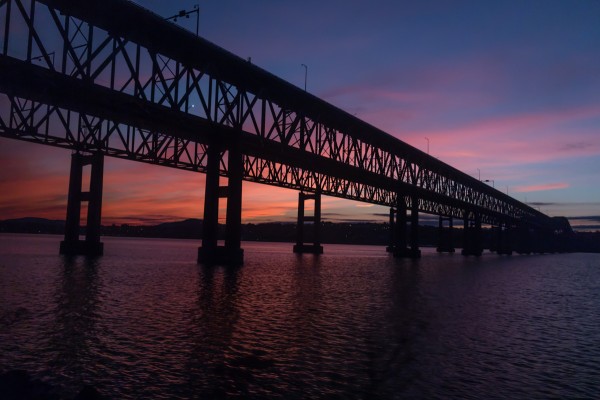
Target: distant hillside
351,233
587,242
32,225
365,233
186,229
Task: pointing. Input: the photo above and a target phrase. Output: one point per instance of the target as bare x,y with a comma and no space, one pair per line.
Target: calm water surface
145,321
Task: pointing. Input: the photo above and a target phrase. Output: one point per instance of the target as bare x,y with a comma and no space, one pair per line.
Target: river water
145,321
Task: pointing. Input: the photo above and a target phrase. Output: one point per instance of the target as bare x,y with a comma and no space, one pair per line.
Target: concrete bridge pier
523,239
91,246
543,241
494,239
445,241
472,239
503,240
210,252
402,246
301,245
397,228
536,241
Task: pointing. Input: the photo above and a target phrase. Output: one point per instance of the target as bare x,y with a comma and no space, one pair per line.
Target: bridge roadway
110,78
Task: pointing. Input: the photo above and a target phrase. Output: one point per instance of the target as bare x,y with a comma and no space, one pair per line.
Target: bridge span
110,78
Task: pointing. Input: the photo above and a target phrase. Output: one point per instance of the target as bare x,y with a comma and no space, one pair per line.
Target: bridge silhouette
110,78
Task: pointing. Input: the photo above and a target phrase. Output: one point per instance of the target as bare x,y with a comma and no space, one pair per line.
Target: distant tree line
338,232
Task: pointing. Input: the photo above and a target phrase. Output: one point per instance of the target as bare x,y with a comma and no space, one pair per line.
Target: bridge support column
445,240
503,240
396,238
397,227
523,239
399,243
414,229
472,245
91,246
301,246
542,241
210,252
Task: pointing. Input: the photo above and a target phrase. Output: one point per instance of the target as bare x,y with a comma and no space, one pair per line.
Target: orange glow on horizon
139,194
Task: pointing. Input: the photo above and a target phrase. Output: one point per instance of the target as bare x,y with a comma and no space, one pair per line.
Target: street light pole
490,180
305,75
197,8
426,138
186,14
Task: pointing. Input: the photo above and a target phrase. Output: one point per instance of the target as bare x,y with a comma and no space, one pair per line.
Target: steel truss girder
51,125
162,67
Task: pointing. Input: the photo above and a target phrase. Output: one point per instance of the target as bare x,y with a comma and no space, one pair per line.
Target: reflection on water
72,333
212,324
144,321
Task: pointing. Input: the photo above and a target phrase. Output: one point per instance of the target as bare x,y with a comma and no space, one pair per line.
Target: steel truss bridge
110,78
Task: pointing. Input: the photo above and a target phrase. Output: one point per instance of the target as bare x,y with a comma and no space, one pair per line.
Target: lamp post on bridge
305,74
492,181
426,138
186,14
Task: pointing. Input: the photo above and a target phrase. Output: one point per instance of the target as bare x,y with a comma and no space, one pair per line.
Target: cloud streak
542,187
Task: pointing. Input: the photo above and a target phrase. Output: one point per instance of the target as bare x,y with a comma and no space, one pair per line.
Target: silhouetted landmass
186,229
339,232
353,233
587,242
33,225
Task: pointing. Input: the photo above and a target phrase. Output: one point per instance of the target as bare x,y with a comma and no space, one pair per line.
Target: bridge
110,78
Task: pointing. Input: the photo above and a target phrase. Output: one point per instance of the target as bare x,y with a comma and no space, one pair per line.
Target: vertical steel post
30,31
6,28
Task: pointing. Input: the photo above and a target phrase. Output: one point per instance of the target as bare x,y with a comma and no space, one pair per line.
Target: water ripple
146,322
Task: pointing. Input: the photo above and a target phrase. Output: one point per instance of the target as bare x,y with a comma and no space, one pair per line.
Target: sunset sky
506,90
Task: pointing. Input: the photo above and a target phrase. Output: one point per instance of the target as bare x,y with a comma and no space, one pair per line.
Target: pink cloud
543,187
521,139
